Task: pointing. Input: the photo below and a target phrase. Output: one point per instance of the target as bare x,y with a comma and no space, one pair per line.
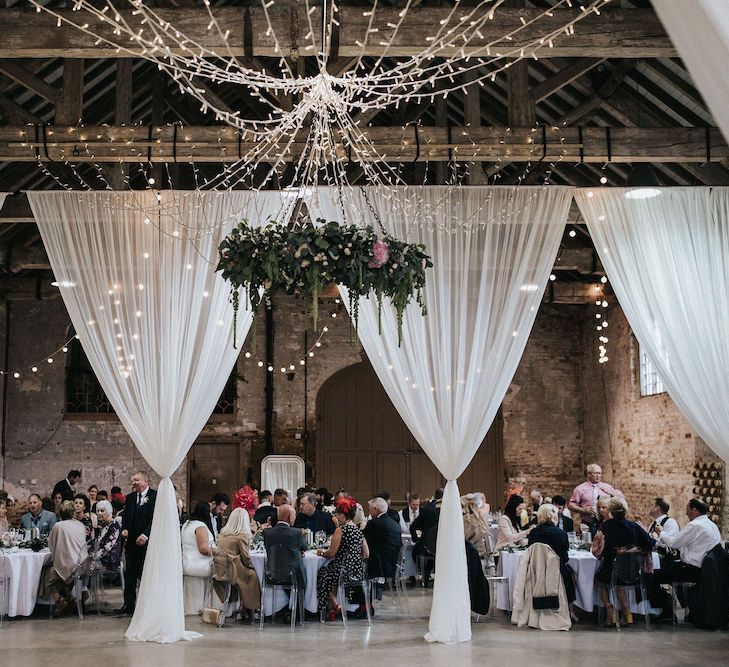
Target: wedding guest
620,534
82,513
547,532
515,487
280,497
109,544
383,539
102,495
37,517
359,516
93,492
584,497
116,494
410,513
475,527
218,505
67,487
136,529
535,499
659,514
393,514
197,557
514,524
564,522
347,551
232,562
419,528
327,503
47,505
67,544
436,499
4,525
696,539
284,537
266,512
57,501
312,518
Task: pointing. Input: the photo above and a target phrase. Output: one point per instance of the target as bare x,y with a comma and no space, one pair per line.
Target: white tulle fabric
2,199
492,250
699,29
156,325
667,259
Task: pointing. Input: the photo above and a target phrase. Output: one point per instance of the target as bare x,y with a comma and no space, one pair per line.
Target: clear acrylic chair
280,571
4,586
682,601
628,573
78,583
427,555
349,582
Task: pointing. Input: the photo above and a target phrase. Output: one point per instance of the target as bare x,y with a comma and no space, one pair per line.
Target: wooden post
70,104
441,120
122,114
472,114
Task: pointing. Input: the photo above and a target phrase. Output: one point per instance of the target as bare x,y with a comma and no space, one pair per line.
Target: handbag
212,616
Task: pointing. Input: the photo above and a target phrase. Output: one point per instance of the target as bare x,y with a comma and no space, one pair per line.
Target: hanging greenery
301,258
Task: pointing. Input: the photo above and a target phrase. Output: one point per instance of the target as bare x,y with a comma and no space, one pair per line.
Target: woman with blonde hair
475,527
232,563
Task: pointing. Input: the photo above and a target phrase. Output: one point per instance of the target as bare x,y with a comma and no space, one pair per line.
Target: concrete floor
392,640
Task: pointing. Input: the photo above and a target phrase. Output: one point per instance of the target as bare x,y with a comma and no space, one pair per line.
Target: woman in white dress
197,557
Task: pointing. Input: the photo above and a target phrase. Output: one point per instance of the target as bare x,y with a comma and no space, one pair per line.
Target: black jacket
709,601
284,547
478,587
567,524
264,513
138,520
554,537
64,488
427,519
319,520
384,541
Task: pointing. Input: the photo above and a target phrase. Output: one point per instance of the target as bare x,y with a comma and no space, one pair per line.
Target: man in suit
312,518
136,529
564,522
218,504
67,487
37,517
283,537
265,513
393,514
383,539
427,520
410,513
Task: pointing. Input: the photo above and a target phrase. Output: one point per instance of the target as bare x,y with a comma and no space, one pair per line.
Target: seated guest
327,503
514,524
312,518
699,536
563,522
265,513
109,545
218,505
57,502
67,543
410,513
37,517
232,562
620,535
535,499
280,497
82,513
116,494
393,514
584,498
47,505
102,495
4,525
283,537
93,492
347,549
475,527
548,532
437,499
67,487
383,539
659,514
197,557
426,521
602,515
320,493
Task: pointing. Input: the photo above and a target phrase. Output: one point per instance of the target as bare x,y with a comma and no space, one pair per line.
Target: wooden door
363,444
214,466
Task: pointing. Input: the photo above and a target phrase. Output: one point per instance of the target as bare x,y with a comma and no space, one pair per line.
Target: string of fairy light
35,367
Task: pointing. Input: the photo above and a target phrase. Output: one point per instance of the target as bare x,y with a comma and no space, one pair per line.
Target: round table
24,568
583,563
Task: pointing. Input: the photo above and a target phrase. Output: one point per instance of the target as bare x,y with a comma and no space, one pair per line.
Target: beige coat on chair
539,576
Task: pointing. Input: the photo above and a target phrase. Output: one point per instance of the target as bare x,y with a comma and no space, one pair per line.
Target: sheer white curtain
137,276
492,250
667,258
699,29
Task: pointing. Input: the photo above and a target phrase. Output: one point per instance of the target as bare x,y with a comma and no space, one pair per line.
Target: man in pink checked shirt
584,497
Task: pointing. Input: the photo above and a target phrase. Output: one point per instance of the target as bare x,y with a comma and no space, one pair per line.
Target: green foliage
302,258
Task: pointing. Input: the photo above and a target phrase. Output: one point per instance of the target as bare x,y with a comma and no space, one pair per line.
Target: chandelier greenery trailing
300,259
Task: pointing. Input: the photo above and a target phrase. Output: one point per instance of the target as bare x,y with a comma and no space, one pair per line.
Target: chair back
430,541
280,565
627,568
347,578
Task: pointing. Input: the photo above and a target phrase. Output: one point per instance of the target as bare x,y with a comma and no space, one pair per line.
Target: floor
392,640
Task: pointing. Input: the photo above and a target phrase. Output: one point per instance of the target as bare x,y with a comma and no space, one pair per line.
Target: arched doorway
364,445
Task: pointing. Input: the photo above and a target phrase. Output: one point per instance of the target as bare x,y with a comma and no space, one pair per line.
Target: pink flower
380,254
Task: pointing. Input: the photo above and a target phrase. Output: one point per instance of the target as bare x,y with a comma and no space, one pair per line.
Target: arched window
84,395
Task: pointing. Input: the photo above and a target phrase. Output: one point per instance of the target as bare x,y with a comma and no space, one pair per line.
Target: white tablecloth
312,564
24,567
584,565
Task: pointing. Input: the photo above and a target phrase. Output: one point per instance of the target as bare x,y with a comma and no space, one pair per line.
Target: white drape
492,250
667,258
137,276
699,29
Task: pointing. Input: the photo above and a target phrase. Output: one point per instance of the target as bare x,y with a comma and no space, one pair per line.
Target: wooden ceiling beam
616,33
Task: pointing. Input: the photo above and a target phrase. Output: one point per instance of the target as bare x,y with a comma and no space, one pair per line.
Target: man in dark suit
384,540
218,504
564,522
393,514
426,521
136,529
312,518
67,487
265,513
282,537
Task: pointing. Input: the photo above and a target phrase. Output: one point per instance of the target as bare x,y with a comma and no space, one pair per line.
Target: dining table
583,564
23,569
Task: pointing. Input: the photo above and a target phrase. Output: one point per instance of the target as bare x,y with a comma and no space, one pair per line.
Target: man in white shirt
693,542
410,513
659,514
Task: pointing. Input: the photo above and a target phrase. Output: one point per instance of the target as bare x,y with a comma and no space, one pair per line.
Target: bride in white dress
198,550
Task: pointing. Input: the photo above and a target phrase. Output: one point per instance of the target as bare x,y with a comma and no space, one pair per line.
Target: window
650,382
84,395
